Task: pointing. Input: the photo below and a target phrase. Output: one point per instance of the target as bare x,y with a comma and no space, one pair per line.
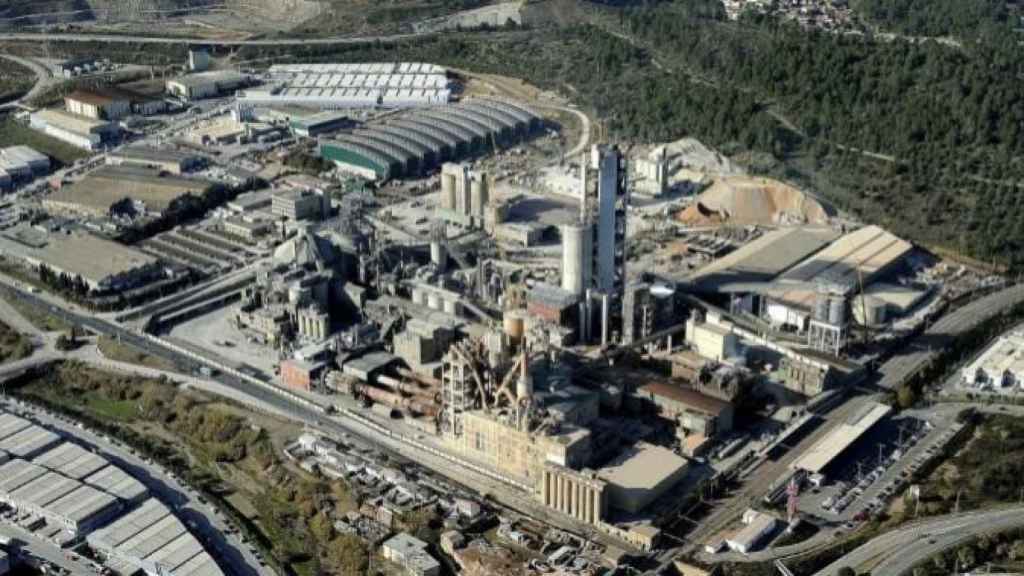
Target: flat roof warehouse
828,448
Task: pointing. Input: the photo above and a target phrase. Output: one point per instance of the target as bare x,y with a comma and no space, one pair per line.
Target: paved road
43,78
925,347
37,551
111,38
897,552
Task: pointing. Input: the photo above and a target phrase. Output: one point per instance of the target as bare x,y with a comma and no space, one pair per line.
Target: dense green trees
959,18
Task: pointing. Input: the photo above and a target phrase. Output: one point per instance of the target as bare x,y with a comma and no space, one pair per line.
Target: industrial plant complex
618,354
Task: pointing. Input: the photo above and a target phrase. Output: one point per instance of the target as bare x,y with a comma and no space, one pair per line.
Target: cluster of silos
830,308
464,193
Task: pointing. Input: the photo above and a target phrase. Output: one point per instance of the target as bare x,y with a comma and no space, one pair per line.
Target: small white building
410,553
1001,366
759,526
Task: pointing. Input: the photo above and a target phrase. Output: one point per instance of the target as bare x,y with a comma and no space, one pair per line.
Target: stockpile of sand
741,200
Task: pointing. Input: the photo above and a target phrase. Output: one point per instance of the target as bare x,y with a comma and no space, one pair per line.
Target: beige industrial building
80,131
299,205
491,440
99,104
206,84
712,340
640,475
103,265
250,229
165,160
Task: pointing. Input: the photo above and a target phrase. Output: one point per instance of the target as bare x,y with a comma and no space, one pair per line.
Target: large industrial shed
153,540
422,139
825,451
858,257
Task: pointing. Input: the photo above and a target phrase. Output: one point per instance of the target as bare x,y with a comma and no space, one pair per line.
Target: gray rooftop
71,460
28,442
117,482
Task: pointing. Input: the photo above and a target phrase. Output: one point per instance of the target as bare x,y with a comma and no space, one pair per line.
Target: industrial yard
456,327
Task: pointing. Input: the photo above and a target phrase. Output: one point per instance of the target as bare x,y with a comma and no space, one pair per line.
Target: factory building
711,339
652,173
420,140
165,160
815,295
498,443
206,84
79,131
319,124
28,442
102,264
99,103
594,248
640,475
22,163
298,205
692,411
343,86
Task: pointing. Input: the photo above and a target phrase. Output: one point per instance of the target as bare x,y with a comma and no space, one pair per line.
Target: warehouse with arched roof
438,149
416,141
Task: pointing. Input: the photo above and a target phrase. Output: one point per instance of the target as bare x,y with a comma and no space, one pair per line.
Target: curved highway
924,348
897,552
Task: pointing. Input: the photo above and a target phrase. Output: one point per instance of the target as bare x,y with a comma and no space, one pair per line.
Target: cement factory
599,337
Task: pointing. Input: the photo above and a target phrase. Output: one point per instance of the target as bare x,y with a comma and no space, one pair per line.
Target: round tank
871,310
821,307
575,258
515,324
434,301
837,310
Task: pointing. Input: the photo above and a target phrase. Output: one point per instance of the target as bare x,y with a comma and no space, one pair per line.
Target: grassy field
15,80
13,345
232,454
121,352
13,133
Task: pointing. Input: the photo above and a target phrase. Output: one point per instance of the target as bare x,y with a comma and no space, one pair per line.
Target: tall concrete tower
610,235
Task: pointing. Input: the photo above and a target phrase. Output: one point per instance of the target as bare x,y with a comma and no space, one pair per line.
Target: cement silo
479,195
577,256
448,191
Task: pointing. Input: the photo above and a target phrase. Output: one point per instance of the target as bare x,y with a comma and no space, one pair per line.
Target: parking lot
876,469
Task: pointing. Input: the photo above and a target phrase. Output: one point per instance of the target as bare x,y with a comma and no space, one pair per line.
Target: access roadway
135,39
897,552
927,346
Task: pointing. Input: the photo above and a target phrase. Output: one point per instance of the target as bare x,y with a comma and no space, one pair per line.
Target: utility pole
957,508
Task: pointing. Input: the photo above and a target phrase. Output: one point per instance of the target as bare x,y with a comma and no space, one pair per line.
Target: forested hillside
956,18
